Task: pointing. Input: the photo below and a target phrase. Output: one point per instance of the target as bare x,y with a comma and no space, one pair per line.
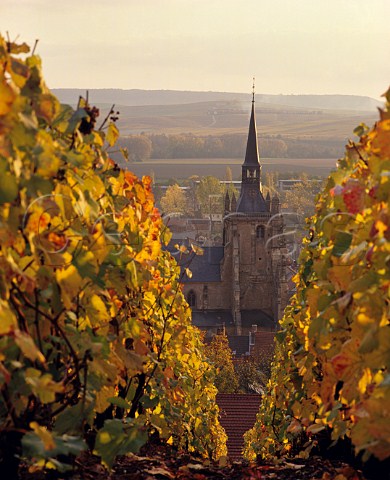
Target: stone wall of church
252,270
254,276
208,296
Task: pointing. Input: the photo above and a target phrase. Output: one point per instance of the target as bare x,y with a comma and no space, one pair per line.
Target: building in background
243,282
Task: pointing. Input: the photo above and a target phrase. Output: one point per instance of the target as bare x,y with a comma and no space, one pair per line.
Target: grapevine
97,349
330,378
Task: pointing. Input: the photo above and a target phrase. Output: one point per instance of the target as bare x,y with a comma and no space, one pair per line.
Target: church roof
251,199
252,152
251,204
239,344
215,318
204,268
211,318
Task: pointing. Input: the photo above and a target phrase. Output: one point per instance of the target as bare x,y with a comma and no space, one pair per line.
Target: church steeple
252,151
251,199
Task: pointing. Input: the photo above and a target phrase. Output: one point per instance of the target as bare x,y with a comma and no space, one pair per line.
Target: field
219,118
180,169
303,119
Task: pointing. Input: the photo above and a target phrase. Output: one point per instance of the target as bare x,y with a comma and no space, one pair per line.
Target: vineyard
330,383
97,350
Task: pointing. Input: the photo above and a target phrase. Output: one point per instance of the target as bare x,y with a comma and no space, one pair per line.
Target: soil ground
160,464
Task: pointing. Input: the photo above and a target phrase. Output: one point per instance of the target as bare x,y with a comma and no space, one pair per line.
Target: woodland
103,375
186,145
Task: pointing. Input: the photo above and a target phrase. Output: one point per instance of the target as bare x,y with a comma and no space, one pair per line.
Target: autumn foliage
330,379
96,343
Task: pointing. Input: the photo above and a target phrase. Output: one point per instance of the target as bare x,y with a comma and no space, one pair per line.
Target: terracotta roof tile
264,342
237,415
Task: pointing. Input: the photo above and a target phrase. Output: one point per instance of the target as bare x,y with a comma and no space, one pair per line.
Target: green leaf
65,445
119,402
370,341
71,420
61,121
324,301
117,439
363,283
86,264
8,188
37,185
76,158
361,130
148,402
317,326
342,243
75,120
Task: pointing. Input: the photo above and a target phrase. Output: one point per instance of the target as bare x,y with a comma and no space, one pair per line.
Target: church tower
254,250
244,282
251,199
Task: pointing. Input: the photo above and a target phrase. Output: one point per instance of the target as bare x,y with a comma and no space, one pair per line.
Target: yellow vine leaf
7,318
70,283
43,385
27,346
46,436
7,96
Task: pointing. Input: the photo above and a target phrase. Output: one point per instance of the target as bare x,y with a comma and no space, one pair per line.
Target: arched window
260,231
191,298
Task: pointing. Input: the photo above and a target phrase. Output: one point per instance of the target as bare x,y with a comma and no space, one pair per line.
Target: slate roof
256,317
237,415
204,268
252,153
239,344
251,201
213,318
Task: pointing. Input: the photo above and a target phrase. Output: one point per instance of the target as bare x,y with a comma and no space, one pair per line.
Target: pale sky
291,46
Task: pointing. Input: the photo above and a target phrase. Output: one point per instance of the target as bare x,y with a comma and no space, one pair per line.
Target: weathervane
253,91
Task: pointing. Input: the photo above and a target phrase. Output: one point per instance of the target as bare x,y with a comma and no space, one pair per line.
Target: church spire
252,151
251,199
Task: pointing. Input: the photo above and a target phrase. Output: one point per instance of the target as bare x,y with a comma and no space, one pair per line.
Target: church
242,286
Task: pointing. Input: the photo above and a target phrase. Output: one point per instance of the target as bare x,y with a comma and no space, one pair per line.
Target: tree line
206,195
187,145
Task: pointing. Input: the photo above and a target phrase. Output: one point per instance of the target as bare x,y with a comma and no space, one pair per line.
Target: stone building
243,282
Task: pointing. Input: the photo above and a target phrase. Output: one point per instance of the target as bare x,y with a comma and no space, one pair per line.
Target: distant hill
227,117
137,97
311,117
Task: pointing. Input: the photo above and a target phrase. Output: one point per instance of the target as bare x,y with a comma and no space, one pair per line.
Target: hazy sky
291,46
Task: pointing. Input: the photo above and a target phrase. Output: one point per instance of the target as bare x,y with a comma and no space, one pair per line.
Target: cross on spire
253,91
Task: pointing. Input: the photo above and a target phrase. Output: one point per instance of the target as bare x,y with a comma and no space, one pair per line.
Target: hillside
218,113
225,117
136,97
